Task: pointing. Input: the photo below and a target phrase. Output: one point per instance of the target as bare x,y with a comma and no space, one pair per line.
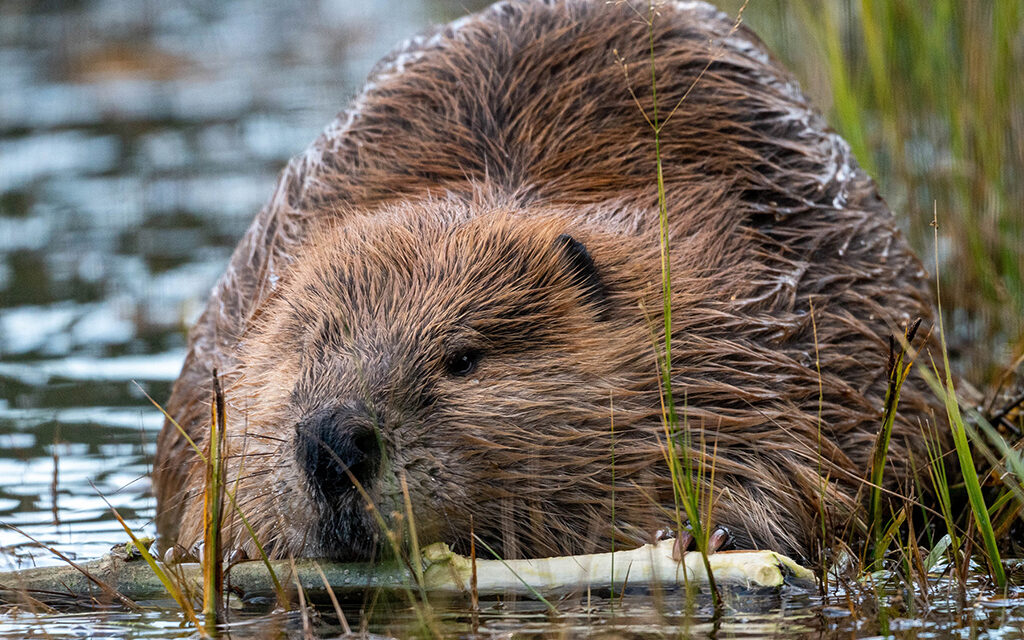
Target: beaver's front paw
719,540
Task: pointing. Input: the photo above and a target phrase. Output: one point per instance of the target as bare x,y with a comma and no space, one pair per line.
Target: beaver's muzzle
337,448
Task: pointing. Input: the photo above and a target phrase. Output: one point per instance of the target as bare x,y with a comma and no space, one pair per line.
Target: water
137,140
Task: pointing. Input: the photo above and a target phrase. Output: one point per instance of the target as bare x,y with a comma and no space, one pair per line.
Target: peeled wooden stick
648,566
444,573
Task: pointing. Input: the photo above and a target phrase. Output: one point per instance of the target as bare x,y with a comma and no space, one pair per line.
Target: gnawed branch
444,573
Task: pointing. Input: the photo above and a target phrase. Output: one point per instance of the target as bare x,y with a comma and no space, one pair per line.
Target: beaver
451,309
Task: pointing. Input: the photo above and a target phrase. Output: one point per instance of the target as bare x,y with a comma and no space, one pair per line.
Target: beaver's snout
336,448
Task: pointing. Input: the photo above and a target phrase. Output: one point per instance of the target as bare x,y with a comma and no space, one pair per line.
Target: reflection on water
137,140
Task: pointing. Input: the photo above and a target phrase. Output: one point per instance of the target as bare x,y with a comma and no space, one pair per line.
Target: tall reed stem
213,507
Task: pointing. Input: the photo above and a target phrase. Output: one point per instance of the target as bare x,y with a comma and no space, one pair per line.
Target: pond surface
137,140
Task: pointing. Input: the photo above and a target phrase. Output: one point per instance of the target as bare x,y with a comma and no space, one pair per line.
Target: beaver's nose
336,448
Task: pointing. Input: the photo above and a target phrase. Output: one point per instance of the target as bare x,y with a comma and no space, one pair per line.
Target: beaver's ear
583,271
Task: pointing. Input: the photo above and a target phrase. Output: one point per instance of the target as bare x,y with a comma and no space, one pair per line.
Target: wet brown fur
426,218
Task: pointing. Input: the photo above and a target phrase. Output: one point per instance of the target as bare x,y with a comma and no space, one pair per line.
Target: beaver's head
471,361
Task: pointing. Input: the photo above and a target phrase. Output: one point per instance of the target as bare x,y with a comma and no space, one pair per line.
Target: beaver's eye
462,362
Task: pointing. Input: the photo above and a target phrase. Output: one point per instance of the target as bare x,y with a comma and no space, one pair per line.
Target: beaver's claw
719,540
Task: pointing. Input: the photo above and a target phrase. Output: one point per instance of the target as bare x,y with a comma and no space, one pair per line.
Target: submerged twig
9,581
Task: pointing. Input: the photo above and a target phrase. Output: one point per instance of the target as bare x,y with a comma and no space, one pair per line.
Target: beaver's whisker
262,436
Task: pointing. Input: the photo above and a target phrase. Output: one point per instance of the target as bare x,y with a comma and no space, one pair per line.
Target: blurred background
139,137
